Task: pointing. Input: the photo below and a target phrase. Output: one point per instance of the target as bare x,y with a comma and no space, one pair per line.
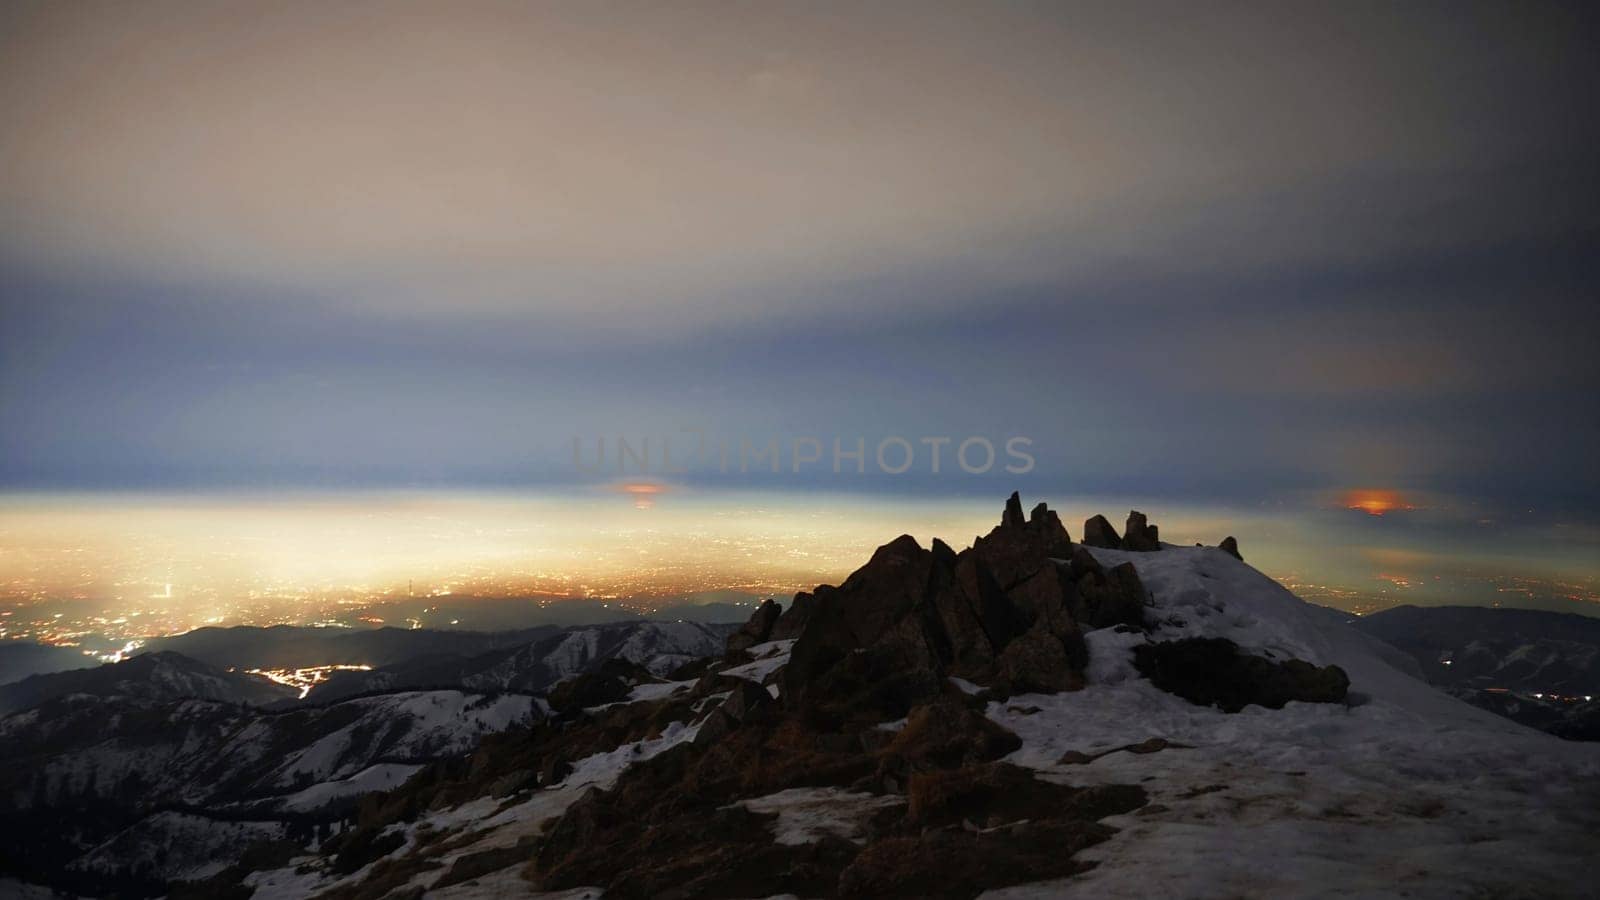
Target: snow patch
806,815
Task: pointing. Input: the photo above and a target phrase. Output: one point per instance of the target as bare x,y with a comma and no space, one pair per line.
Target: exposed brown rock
793,621
949,733
1140,535
1038,662
1107,597
955,863
714,727
757,629
910,616
996,794
1097,532
1150,745
1012,517
1015,549
610,683
1214,672
1230,547
749,702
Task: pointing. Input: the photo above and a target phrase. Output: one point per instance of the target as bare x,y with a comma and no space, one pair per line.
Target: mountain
107,789
1539,668
536,665
1028,717
291,647
19,659
163,676
156,769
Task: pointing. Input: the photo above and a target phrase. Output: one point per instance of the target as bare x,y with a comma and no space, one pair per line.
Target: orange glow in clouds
643,493
1374,502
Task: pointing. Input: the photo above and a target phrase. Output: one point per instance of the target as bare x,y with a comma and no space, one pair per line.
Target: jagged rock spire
1230,547
1140,535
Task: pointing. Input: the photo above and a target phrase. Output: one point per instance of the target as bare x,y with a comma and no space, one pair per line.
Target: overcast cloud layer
1229,250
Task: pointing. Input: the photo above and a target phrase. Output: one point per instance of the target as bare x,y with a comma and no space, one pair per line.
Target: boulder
1097,532
1215,672
714,727
1139,535
961,593
1038,662
1230,547
612,681
758,629
749,702
793,620
957,864
1107,597
872,684
995,794
553,770
947,733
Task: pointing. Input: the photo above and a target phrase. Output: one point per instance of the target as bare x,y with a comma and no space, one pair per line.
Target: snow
965,686
657,691
1404,790
806,815
380,777
770,657
1409,790
494,824
603,769
178,845
421,724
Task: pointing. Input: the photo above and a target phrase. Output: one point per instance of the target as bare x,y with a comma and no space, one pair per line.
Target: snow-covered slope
535,666
1406,791
235,776
200,753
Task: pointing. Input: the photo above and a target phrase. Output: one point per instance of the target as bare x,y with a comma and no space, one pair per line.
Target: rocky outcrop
610,683
794,619
1000,614
1140,535
1230,547
1106,597
758,629
1097,532
1214,672
1038,662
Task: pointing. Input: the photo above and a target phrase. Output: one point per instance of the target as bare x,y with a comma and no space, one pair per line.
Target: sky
1268,250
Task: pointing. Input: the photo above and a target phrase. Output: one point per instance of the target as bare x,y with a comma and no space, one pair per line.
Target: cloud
1271,244
642,169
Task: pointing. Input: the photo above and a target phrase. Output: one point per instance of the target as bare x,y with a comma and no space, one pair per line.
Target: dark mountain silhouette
160,677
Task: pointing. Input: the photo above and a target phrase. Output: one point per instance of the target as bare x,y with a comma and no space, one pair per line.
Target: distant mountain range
137,773
155,677
289,646
1531,666
534,665
133,788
